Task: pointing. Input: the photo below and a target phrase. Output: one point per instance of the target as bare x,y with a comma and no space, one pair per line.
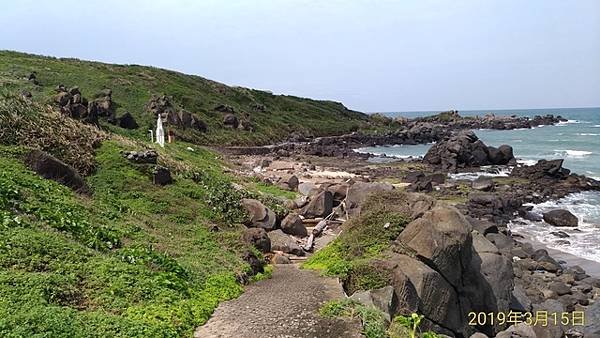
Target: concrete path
285,306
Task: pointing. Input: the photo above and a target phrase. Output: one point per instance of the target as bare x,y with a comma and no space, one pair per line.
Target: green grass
133,85
274,190
363,240
373,320
134,260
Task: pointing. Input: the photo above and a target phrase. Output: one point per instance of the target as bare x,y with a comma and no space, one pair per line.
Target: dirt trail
285,306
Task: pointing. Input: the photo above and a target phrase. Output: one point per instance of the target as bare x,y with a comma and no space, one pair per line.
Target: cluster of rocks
453,120
465,150
145,156
32,77
161,105
230,120
288,233
413,131
149,158
443,269
423,182
445,265
73,104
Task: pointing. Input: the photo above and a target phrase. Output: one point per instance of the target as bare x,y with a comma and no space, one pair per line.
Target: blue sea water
576,141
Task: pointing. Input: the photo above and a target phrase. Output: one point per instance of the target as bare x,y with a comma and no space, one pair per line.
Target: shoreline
591,267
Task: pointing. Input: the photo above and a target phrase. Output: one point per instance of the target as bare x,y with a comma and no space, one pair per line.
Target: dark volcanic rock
292,225
320,205
52,168
260,216
258,238
501,155
255,263
542,169
147,156
162,176
465,150
560,218
127,121
284,243
231,121
483,183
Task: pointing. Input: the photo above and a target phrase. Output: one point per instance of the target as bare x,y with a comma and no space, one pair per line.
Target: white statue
160,132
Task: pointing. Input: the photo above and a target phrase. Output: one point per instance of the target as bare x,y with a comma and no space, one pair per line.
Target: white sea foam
488,171
583,240
383,153
588,134
527,162
572,153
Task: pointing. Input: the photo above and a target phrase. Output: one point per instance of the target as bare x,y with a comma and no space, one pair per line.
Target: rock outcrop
259,215
284,243
258,238
543,169
52,168
466,150
162,105
292,225
561,218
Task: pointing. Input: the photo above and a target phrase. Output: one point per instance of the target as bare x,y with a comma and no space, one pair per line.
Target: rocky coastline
498,267
405,131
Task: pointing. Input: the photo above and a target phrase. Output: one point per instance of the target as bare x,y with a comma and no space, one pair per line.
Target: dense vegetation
133,259
133,86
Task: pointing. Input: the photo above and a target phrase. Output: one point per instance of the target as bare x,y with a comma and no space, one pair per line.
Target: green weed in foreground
373,320
408,326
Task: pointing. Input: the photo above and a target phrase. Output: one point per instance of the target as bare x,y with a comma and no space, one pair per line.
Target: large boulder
592,317
320,205
359,191
339,191
543,169
406,297
383,299
284,243
501,155
466,150
52,168
127,121
483,183
258,238
289,182
161,176
292,225
259,215
160,105
561,218
487,281
443,237
307,188
438,300
229,120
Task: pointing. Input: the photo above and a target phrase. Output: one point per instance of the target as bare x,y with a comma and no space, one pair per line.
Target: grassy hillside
133,86
132,259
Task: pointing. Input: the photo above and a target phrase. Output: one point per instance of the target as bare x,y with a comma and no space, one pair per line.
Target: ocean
576,141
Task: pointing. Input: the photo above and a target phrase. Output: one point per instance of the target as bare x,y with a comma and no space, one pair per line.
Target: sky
404,55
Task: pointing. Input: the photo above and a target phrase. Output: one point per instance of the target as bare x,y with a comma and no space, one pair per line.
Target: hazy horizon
372,56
